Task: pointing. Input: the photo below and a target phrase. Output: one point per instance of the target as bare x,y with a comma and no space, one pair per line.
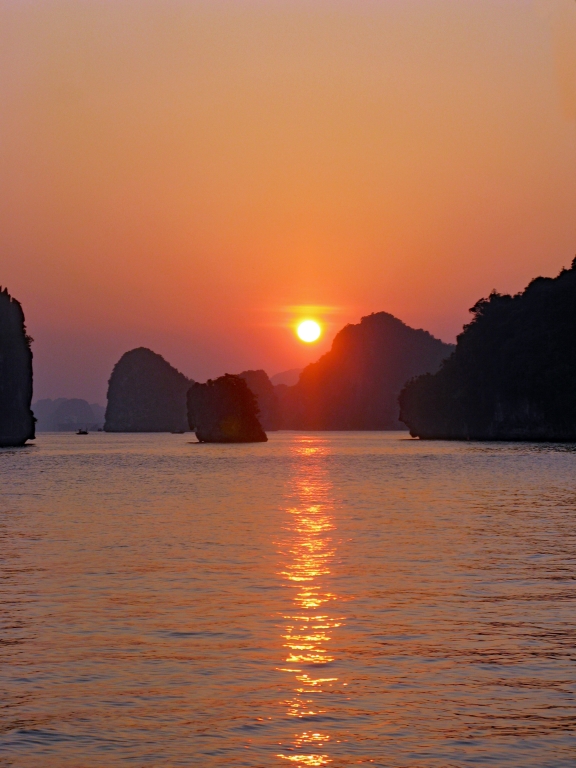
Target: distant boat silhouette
82,432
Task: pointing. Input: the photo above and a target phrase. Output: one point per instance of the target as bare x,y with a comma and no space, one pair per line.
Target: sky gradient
197,176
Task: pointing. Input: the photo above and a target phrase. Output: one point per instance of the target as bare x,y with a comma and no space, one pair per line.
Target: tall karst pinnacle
16,417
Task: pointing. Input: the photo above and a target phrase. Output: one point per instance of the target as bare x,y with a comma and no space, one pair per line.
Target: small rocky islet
224,410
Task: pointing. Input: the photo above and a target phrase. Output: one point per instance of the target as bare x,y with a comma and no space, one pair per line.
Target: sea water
324,599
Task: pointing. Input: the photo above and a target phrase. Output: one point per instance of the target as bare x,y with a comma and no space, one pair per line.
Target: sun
309,331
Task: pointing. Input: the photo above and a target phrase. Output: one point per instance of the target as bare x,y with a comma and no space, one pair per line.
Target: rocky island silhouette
355,386
512,375
224,410
146,394
16,417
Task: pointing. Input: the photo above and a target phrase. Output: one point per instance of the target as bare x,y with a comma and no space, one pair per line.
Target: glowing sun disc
309,331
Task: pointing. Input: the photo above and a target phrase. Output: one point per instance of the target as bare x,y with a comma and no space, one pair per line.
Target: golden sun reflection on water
309,550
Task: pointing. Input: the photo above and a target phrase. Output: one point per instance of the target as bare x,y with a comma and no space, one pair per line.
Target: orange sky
183,175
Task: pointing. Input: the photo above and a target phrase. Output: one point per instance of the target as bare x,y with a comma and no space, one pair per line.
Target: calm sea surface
325,599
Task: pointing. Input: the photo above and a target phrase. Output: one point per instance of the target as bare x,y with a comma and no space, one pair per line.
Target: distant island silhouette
512,375
67,414
146,394
224,411
269,407
355,385
287,377
16,417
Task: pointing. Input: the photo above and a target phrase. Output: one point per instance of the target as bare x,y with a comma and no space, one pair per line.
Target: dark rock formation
269,408
146,394
356,384
224,411
16,417
513,374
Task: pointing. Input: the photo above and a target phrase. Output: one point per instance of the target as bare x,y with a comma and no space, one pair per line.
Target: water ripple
324,599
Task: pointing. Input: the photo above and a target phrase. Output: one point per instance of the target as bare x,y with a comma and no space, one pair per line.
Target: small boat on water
82,432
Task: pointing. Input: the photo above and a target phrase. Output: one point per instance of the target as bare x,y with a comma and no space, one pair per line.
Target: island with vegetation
224,410
16,417
512,375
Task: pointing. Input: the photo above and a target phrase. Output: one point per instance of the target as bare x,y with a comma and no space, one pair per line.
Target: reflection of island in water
309,625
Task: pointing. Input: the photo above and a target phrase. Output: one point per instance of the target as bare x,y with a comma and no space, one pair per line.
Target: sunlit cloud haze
186,175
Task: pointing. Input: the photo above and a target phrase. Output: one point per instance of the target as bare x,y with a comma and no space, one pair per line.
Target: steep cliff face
513,374
356,384
224,411
16,417
146,394
269,408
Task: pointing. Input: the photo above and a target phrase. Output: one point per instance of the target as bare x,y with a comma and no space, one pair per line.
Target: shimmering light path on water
324,599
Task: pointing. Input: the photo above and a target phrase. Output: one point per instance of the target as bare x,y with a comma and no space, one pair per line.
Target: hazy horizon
195,176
